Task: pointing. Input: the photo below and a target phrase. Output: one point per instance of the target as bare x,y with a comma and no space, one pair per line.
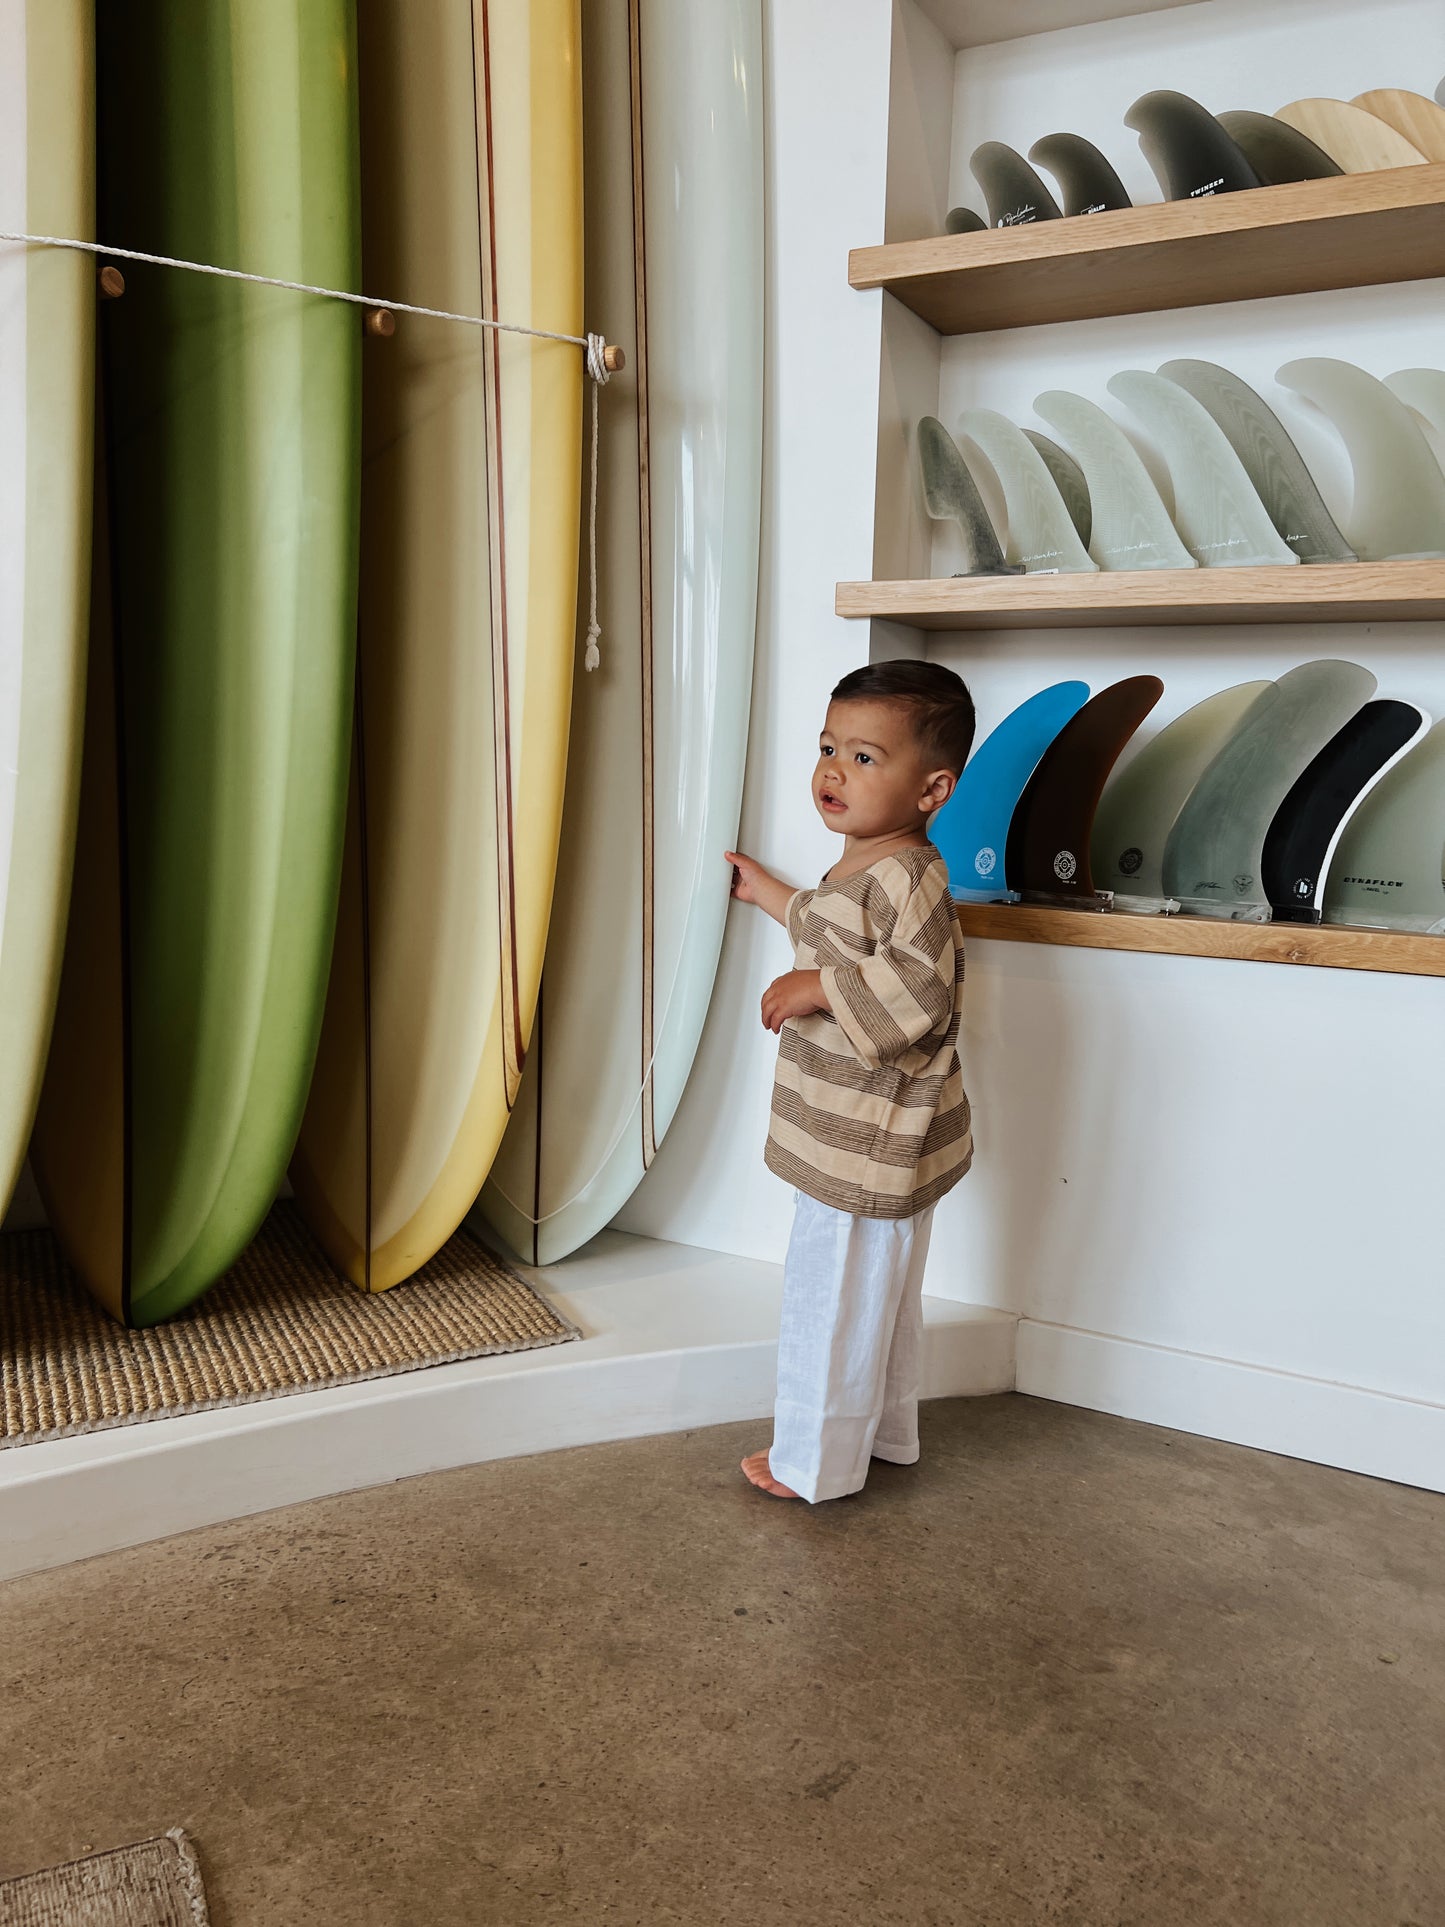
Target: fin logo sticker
1241,884
1131,862
1066,866
1303,887
986,862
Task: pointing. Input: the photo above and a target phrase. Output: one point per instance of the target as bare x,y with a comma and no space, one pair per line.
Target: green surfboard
222,656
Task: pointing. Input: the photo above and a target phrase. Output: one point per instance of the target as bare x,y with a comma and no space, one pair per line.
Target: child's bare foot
758,1472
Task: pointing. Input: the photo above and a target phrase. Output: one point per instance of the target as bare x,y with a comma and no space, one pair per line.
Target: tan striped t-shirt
869,1112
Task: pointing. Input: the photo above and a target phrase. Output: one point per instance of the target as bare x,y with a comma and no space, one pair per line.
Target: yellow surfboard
472,202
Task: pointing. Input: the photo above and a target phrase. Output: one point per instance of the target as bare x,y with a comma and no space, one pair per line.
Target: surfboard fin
1359,141
1013,191
1068,480
971,830
1389,866
963,220
1218,514
1213,860
1398,512
1423,389
1085,175
1310,821
1041,532
1142,801
1051,832
951,495
1275,467
1189,151
1130,527
1276,151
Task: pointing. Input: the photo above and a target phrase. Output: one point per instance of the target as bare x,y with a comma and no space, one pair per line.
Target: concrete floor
1068,1670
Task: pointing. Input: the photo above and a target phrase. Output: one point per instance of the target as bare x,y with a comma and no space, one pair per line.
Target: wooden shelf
1350,231
1329,946
1322,592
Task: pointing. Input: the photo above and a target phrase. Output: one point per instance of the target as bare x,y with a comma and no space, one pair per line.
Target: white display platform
675,1337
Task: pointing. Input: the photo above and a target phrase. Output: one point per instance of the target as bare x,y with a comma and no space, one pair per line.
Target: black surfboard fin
1189,151
1085,176
1013,191
963,220
1046,858
1276,151
1310,821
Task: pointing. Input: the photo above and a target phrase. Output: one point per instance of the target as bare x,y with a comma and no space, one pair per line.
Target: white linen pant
850,1348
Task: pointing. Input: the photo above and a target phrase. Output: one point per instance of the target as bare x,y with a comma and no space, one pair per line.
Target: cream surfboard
219,699
673,127
47,384
471,118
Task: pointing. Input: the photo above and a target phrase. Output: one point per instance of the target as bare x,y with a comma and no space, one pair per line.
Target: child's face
872,777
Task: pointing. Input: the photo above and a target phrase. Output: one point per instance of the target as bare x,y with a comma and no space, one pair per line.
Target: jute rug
154,1884
280,1321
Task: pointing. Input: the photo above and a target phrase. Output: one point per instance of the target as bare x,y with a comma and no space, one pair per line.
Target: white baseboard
674,1338
1302,1418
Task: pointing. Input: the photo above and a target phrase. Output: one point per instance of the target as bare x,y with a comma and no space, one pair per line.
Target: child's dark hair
942,708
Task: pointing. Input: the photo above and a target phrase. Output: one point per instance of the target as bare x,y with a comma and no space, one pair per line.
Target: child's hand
798,994
750,879
753,884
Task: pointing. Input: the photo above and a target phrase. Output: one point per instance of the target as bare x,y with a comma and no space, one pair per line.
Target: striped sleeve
889,1002
793,915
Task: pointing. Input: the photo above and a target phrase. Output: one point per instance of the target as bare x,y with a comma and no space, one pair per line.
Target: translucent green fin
1041,532
1068,480
1398,510
951,495
1142,802
1273,464
1389,868
1131,528
1216,510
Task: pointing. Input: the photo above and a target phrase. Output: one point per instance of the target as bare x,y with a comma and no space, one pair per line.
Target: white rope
300,287
593,345
601,375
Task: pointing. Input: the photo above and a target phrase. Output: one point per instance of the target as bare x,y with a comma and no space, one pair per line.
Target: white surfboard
673,140
47,385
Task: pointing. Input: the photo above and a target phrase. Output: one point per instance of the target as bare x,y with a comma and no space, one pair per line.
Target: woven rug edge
334,1381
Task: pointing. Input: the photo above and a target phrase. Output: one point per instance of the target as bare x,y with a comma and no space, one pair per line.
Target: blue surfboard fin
971,830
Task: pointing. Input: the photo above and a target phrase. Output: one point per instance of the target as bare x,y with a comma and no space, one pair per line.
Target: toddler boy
870,1123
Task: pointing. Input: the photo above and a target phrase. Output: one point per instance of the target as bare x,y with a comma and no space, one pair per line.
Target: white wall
1228,1170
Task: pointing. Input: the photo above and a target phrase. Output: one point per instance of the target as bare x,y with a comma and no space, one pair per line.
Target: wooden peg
380,323
614,359
112,283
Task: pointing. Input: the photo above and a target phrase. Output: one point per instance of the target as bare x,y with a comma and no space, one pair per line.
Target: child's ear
937,789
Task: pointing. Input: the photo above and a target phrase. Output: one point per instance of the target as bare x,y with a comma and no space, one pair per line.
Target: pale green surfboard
219,719
47,384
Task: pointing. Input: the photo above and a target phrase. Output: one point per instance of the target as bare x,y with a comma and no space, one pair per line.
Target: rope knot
597,360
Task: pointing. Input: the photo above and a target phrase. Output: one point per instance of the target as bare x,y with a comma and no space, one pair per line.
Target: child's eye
826,749
864,757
